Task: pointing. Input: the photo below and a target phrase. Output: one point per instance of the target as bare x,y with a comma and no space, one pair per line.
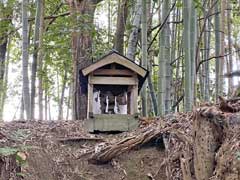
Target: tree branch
52,16
177,102
201,32
161,25
97,1
213,57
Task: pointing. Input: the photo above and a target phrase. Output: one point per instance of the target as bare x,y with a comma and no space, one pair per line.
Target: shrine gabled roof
115,57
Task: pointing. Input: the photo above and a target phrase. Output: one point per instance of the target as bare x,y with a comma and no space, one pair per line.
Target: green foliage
57,41
238,155
7,151
179,4
100,43
20,156
20,134
198,3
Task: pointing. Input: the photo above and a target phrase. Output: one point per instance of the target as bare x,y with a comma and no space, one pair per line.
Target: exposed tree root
232,105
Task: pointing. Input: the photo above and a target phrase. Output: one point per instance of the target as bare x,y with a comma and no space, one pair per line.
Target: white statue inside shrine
96,103
120,103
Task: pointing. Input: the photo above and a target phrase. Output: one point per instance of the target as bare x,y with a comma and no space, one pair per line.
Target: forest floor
60,150
203,144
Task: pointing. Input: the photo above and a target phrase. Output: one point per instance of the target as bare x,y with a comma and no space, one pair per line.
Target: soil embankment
203,144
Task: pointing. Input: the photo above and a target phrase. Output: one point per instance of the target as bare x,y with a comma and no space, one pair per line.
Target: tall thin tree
133,38
206,43
230,60
187,55
153,99
35,56
25,80
40,58
167,57
164,76
162,70
217,51
193,44
6,11
144,55
222,45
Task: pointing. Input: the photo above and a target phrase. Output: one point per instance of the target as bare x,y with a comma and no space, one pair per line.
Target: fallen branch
112,151
127,144
74,139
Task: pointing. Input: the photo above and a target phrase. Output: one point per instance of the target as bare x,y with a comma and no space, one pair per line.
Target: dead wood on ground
232,105
197,144
76,139
135,141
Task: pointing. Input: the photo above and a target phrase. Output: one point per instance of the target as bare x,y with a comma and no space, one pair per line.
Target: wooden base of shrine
112,122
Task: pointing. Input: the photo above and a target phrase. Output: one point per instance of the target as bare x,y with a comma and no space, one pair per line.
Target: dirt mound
203,144
57,150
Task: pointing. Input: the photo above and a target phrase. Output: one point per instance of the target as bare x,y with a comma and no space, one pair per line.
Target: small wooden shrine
113,85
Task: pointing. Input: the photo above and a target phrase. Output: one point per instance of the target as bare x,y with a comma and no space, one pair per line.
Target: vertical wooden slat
133,99
90,97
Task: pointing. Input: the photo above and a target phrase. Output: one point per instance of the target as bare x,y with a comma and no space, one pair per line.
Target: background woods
109,61
187,47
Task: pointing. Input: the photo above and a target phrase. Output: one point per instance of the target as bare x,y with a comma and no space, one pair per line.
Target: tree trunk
40,58
222,47
151,90
82,52
25,85
69,102
46,105
150,62
207,136
178,45
21,116
167,56
5,23
144,55
162,65
3,50
49,109
173,57
193,44
133,38
60,106
35,55
217,51
187,55
3,94
121,24
109,22
207,36
230,61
